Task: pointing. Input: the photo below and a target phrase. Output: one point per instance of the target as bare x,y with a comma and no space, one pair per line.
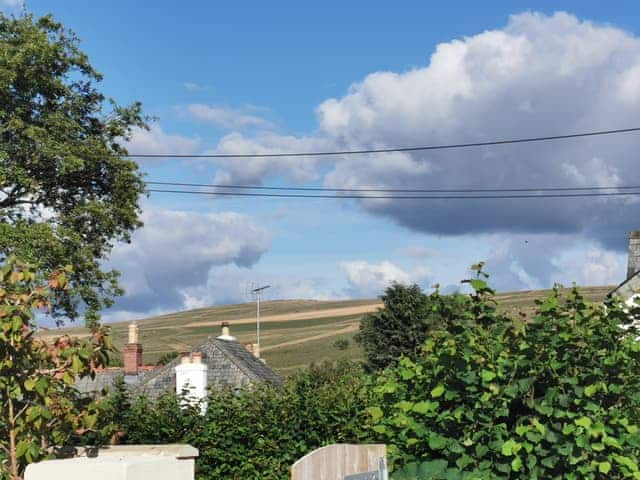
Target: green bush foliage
554,396
486,396
402,326
256,433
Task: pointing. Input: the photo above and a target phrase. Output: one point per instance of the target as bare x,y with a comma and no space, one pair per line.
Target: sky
284,76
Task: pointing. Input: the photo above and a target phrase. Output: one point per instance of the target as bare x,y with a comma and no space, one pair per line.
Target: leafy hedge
557,396
487,396
253,434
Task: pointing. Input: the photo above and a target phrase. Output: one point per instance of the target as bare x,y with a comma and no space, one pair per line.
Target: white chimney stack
226,334
191,380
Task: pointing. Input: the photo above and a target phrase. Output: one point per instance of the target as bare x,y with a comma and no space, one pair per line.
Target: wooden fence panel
333,462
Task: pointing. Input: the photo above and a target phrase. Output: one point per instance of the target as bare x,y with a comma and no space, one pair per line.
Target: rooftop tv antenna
258,292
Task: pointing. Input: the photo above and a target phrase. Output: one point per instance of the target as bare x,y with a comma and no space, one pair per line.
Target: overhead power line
397,190
399,197
391,149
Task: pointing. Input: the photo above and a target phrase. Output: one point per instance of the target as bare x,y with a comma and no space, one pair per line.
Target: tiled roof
628,288
228,364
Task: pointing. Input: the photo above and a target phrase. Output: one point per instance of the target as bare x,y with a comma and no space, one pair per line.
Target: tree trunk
13,457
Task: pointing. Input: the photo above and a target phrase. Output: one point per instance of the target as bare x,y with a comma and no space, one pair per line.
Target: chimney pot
133,333
226,334
633,262
196,357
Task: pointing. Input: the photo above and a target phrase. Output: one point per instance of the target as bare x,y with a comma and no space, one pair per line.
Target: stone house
217,363
629,290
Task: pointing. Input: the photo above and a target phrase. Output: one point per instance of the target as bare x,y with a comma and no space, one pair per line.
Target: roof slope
628,288
229,364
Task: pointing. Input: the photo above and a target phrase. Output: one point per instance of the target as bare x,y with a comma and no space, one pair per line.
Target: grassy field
294,333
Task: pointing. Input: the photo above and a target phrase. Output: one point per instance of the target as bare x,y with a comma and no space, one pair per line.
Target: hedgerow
256,433
487,396
555,396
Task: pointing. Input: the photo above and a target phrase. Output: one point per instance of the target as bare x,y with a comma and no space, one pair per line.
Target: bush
485,397
341,344
556,396
402,326
255,433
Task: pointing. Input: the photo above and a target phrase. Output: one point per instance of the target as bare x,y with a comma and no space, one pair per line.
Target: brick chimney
633,262
132,352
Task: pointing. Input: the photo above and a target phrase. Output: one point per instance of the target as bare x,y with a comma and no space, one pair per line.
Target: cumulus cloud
538,75
226,117
175,251
300,169
11,4
539,261
371,279
156,141
231,284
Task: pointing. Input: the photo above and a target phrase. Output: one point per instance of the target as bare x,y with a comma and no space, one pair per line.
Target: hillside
294,332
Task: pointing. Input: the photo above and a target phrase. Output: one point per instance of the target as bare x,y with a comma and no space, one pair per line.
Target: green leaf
591,390
438,391
604,467
425,407
375,413
516,464
437,441
584,422
487,375
29,384
510,447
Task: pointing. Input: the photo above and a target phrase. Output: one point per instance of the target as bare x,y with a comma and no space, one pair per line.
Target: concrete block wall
127,462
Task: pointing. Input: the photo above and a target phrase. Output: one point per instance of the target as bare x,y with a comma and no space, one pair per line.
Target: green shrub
402,326
341,344
256,433
554,396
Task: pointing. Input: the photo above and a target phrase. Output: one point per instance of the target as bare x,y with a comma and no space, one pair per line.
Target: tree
552,396
401,327
67,190
39,408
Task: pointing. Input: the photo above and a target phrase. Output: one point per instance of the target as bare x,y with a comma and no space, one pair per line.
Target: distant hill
294,333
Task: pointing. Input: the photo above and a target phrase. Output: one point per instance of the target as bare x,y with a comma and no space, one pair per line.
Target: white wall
191,378
134,462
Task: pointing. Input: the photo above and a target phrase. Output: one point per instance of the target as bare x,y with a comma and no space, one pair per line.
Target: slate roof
628,288
229,364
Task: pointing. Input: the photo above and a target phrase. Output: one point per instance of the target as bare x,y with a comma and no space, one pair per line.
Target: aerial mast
258,292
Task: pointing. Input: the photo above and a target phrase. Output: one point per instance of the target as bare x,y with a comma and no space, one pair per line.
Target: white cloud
538,75
175,251
231,284
156,141
539,261
596,266
227,117
371,279
192,86
300,169
418,251
11,4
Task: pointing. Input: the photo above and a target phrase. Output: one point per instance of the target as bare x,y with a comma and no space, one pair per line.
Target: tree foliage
487,396
39,408
67,192
401,327
555,396
255,433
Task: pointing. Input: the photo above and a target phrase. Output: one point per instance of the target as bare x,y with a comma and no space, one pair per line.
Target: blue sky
281,76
